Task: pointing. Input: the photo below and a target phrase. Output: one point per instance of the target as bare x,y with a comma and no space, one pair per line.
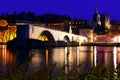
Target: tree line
31,16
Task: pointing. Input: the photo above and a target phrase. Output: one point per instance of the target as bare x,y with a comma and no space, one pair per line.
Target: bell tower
96,17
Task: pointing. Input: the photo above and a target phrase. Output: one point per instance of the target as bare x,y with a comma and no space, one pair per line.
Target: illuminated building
3,23
80,27
115,28
115,31
102,23
76,25
59,26
101,19
87,33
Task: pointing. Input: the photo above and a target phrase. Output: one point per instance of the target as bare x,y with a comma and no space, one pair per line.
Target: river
79,59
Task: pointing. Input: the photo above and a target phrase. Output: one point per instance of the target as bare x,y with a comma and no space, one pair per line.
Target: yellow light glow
108,25
95,56
12,36
8,35
46,57
43,38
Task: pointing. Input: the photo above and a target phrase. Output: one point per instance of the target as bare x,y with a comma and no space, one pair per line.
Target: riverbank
100,44
95,73
33,43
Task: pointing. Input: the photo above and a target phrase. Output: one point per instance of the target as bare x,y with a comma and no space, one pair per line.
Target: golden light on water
6,60
108,26
66,60
115,57
92,55
35,61
46,57
58,56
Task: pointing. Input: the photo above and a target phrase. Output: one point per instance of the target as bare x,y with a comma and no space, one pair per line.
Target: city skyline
75,9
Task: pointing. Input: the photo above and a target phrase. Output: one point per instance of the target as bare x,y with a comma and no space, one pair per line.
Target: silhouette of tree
21,15
30,16
46,18
53,18
6,16
39,18
2,16
64,17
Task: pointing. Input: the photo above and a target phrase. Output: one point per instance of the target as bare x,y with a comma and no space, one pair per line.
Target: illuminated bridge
32,35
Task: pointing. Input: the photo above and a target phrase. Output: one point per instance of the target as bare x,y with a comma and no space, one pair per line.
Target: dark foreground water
79,59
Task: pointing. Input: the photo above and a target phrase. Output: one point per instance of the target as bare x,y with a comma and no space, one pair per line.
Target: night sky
73,8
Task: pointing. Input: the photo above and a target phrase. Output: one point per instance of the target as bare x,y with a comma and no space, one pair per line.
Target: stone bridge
54,35
28,34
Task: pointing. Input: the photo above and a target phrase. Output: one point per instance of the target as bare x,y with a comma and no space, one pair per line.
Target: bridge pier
23,39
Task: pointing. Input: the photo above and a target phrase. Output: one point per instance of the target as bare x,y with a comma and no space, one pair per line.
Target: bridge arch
66,39
49,38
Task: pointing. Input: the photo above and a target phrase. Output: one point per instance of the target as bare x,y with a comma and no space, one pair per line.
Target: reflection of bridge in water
29,34
78,59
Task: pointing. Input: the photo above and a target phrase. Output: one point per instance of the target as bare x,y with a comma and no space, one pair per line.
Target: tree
21,16
30,16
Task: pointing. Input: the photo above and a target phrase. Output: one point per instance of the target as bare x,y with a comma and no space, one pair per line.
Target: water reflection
108,61
103,56
100,56
72,57
6,61
115,56
57,56
66,60
95,56
36,59
118,55
80,59
46,57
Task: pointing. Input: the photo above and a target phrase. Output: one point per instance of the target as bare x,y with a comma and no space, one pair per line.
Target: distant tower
70,28
96,17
